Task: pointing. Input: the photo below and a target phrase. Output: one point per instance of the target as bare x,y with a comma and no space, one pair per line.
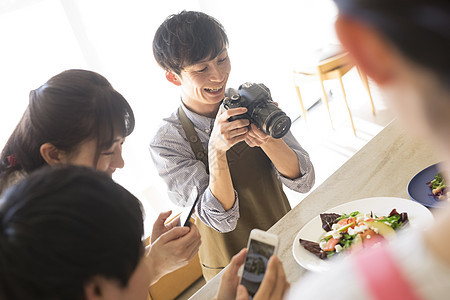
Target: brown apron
262,201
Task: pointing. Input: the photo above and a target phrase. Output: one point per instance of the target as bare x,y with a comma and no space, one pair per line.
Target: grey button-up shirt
179,168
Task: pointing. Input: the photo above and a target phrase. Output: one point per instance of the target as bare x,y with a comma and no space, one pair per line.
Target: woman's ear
51,154
371,51
173,78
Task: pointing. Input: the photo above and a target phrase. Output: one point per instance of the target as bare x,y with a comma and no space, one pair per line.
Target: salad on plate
354,231
439,188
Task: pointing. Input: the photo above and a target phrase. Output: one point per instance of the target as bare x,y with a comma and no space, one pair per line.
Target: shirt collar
201,122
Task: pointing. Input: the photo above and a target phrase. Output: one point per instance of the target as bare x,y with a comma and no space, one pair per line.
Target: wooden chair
333,67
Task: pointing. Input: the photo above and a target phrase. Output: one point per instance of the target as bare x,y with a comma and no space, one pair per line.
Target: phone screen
255,265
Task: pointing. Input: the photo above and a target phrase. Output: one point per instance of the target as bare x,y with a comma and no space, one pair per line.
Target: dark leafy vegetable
328,219
395,220
314,248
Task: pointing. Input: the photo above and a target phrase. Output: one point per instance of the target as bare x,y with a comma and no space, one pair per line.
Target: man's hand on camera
255,137
226,134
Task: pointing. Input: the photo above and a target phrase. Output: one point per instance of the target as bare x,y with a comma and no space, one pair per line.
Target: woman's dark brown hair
70,108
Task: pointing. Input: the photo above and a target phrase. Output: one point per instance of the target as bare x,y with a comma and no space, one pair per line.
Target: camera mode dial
235,97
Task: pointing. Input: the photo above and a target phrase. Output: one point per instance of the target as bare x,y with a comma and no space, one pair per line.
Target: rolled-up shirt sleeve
305,182
212,213
181,171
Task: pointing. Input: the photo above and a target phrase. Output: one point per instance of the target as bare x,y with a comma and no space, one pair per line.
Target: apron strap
382,276
196,145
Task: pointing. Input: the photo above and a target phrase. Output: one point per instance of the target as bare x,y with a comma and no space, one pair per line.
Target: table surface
382,168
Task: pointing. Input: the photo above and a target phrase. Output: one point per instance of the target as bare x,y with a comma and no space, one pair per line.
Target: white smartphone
261,246
187,212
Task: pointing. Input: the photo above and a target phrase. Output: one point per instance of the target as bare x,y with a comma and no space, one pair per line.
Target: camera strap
196,145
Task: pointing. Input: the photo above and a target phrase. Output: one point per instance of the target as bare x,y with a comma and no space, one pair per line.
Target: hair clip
12,160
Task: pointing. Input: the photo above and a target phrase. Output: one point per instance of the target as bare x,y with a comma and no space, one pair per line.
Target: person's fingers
231,271
237,132
174,234
270,277
232,132
237,139
159,223
188,244
253,140
281,285
250,141
163,216
236,124
159,227
237,261
189,250
241,293
258,133
230,278
193,240
226,114
175,222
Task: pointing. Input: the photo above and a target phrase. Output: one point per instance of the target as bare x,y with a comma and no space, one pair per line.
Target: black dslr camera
261,110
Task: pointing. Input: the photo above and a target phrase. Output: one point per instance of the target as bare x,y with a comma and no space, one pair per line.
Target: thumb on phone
241,293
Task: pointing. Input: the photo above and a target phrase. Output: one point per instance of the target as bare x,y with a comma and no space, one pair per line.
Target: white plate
419,217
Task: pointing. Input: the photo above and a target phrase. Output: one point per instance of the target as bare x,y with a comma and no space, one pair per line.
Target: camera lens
279,126
270,119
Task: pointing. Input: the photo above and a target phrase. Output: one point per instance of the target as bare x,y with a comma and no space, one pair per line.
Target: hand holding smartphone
261,246
187,213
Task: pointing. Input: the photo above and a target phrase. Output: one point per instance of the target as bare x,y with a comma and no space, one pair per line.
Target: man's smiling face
203,84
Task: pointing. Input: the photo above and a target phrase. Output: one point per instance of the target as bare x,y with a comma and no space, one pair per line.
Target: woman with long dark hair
73,112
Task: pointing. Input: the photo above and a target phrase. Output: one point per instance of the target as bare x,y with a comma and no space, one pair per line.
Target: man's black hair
187,38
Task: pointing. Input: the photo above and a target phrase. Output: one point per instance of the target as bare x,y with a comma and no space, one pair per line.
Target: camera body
261,110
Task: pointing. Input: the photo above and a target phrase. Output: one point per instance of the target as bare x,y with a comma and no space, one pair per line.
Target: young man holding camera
238,169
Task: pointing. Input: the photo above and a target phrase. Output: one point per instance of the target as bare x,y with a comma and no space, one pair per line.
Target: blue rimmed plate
419,190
